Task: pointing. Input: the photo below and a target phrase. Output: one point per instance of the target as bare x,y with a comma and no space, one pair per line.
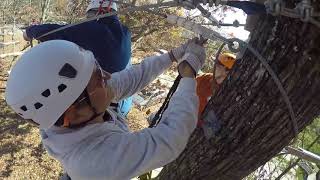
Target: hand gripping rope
156,119
213,35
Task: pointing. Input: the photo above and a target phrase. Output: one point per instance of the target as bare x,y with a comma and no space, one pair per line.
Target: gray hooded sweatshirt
109,150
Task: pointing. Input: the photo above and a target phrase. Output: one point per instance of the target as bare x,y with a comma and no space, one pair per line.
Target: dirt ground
21,152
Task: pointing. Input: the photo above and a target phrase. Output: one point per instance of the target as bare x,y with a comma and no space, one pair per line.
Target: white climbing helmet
47,79
95,4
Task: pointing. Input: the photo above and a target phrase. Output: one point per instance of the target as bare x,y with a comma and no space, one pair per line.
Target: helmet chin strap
73,126
94,116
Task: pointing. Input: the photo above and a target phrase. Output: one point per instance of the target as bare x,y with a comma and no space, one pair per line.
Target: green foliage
299,174
308,135
306,141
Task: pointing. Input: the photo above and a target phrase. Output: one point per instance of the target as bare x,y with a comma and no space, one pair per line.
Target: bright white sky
239,15
238,32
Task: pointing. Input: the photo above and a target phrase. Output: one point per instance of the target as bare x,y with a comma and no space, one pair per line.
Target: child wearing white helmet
107,38
61,87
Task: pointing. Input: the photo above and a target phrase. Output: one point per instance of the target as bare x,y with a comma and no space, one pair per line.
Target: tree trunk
255,121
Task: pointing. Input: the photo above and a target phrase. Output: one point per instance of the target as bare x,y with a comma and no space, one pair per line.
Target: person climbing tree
107,38
61,87
262,105
207,84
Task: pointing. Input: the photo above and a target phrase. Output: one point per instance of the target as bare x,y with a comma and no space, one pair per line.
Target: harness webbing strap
101,9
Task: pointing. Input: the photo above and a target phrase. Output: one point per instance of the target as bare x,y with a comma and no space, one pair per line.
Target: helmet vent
46,93
62,87
68,71
38,105
23,108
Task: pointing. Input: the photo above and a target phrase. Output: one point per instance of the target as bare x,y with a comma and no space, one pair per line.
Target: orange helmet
227,60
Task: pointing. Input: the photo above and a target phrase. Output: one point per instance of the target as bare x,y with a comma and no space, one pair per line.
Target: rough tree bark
255,121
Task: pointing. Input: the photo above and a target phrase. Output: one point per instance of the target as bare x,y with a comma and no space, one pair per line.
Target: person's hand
195,56
25,36
178,52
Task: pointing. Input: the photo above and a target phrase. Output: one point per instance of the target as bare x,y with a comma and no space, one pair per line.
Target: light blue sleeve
133,79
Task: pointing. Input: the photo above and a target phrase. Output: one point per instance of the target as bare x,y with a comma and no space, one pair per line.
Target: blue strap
250,8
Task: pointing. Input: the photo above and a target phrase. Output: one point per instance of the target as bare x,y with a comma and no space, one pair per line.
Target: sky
238,32
230,16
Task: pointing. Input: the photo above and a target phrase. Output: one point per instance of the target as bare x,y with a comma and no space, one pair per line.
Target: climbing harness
102,10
